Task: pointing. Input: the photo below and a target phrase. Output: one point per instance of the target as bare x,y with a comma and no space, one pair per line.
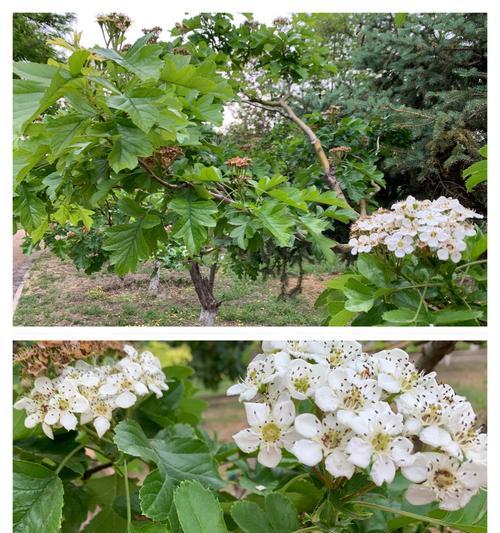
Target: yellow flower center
381,442
443,478
301,384
63,404
432,415
331,439
353,399
270,432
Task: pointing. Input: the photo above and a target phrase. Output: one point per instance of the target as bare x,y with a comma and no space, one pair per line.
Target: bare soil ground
57,294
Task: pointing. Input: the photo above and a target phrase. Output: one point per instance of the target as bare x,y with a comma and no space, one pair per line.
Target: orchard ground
464,370
57,294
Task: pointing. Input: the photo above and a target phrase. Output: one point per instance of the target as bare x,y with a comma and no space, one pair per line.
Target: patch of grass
57,294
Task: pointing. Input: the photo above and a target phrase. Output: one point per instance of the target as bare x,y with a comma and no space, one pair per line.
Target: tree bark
204,288
154,282
432,353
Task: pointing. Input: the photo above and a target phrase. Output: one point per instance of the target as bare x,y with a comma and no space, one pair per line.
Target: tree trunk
204,288
298,286
154,282
432,353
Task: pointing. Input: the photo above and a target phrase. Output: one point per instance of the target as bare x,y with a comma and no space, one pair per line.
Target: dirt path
21,262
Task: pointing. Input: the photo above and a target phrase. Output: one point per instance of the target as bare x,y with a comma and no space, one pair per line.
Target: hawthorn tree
116,156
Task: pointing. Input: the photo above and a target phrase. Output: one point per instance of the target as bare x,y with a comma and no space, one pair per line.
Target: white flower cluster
439,225
374,413
92,392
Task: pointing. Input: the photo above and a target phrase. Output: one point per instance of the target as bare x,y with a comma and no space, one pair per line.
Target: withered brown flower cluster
37,358
239,162
165,157
155,30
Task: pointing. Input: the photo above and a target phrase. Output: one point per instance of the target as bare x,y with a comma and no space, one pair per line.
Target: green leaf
141,105
374,270
202,173
31,98
360,296
156,496
198,510
30,208
250,517
76,61
400,19
275,218
128,145
478,172
180,457
400,316
278,516
143,61
202,77
281,514
290,196
39,72
131,242
454,316
37,499
195,216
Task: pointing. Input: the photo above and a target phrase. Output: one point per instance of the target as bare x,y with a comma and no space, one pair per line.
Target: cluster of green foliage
424,75
379,289
190,482
89,175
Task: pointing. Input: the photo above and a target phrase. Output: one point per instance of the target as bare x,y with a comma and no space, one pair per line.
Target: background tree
31,31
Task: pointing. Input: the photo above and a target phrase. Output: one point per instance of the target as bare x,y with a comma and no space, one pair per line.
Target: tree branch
432,353
149,170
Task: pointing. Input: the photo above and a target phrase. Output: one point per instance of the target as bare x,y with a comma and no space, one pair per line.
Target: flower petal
52,417
125,399
325,399
417,471
308,452
101,425
284,413
269,456
359,451
68,421
435,436
338,465
419,495
383,470
308,425
257,413
473,475
44,386
247,440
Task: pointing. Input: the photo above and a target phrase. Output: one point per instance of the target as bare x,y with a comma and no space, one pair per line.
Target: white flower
35,407
433,236
92,392
270,430
100,413
260,372
379,442
124,388
395,372
400,244
62,402
443,478
304,378
346,392
323,439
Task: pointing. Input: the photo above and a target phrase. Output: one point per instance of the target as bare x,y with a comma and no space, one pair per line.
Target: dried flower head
44,355
239,162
